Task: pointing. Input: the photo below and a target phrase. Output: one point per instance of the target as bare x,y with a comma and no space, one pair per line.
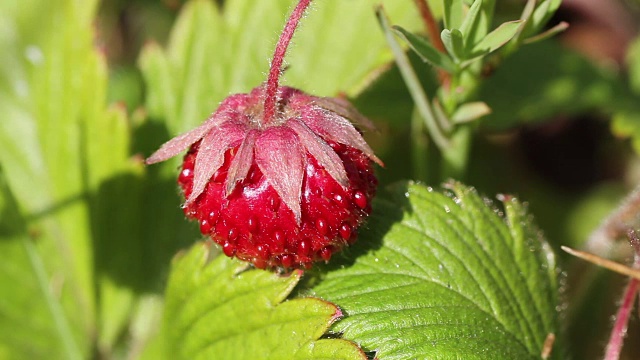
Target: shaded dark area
573,154
136,233
11,223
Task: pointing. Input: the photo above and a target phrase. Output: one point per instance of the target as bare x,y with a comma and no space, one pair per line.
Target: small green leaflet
425,50
217,309
447,276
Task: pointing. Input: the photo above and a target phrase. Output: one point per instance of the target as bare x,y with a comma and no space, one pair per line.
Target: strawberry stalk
278,58
614,347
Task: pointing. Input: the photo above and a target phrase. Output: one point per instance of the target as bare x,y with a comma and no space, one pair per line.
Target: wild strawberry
277,177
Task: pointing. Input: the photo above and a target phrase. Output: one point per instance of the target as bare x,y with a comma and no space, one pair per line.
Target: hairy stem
278,58
615,226
614,347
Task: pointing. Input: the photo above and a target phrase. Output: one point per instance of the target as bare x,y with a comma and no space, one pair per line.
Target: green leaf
48,109
65,156
470,23
557,29
213,53
497,38
32,320
454,43
425,50
470,111
539,17
453,13
446,276
219,309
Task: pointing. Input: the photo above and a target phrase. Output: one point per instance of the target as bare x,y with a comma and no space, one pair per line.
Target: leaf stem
278,57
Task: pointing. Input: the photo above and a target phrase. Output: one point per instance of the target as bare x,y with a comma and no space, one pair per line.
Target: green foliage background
87,233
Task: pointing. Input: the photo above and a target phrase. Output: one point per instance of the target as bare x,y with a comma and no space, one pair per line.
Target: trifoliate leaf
217,309
447,276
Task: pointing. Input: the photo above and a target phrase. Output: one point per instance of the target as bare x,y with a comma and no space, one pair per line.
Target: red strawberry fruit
277,177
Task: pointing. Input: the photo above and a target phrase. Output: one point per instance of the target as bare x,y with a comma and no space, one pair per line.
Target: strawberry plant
390,179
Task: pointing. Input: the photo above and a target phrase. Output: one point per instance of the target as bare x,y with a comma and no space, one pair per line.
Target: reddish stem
614,347
430,24
278,58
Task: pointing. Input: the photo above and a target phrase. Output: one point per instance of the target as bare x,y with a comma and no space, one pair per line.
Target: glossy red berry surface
283,194
253,224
